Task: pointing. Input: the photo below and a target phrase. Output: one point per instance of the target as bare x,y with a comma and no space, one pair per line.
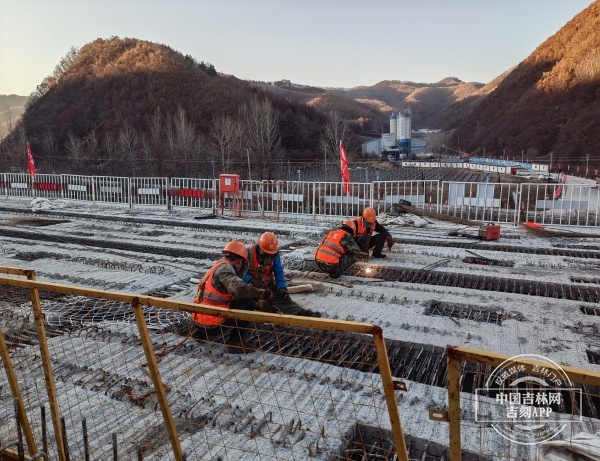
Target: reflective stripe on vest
212,297
330,250
361,229
257,271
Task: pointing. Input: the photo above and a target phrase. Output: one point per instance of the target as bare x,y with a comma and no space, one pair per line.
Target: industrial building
398,143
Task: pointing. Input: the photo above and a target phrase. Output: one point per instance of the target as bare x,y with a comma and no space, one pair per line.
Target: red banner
344,168
30,164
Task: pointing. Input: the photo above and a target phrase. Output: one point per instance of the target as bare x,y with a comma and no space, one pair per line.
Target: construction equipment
489,231
486,232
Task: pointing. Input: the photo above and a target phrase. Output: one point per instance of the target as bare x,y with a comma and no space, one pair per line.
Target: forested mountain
549,103
131,107
376,103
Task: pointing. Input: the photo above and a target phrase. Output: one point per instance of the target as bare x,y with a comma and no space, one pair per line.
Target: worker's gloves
265,302
265,295
283,293
266,306
390,241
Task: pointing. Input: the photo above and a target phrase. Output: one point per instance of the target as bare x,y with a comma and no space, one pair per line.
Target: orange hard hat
369,214
267,242
236,248
351,225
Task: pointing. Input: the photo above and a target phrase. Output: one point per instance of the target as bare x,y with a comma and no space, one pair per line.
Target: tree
110,149
227,135
92,147
336,129
158,141
74,147
127,145
264,138
185,140
50,147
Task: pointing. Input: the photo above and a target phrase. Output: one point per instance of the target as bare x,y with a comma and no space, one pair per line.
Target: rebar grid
483,415
282,404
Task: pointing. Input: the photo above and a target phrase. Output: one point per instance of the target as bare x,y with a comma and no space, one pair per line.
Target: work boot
379,256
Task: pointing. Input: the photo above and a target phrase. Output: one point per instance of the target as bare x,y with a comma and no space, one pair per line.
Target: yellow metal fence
517,407
90,374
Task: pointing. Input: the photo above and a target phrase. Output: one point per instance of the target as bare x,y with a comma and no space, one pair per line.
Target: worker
337,251
366,238
222,286
265,270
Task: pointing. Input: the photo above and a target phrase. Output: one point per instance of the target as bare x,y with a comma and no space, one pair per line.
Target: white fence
552,204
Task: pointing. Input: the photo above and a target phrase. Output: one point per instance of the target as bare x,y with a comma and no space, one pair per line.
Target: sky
327,43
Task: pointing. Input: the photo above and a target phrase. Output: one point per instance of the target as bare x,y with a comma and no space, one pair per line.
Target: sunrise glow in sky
328,43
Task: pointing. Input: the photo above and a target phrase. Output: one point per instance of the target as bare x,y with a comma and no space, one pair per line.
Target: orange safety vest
361,229
330,250
256,271
209,295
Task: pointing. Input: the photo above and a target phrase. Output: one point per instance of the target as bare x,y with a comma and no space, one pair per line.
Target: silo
403,133
393,125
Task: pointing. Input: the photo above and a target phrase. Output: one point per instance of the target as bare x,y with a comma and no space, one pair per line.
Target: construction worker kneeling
337,251
371,234
222,286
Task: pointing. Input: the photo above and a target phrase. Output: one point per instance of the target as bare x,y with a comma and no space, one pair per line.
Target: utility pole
249,171
522,155
551,154
587,161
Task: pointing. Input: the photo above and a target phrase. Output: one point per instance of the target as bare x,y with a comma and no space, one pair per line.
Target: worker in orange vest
222,286
371,234
265,270
337,251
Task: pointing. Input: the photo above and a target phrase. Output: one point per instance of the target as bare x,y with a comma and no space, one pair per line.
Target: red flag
344,168
30,164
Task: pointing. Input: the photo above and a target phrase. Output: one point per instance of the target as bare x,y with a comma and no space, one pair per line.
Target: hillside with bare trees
131,107
549,103
137,108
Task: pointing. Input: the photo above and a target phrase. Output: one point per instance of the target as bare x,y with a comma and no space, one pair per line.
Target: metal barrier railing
96,352
561,204
421,194
516,403
480,201
556,204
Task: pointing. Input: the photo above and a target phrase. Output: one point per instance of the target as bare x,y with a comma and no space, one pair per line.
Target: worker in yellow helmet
371,234
337,251
222,286
265,270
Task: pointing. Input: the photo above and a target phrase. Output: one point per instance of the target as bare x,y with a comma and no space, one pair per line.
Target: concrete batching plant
396,143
